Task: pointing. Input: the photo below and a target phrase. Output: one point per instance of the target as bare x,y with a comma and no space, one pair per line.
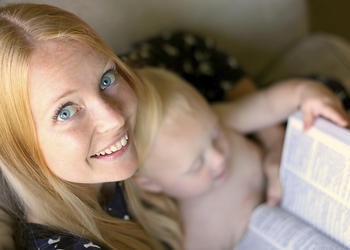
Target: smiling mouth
114,148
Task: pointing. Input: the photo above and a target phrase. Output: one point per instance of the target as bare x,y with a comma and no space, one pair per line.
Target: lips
114,147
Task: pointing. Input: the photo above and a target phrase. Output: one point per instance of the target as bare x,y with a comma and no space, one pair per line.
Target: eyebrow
109,65
63,96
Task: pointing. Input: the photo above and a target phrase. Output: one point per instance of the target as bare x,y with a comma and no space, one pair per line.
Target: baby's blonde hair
32,186
169,91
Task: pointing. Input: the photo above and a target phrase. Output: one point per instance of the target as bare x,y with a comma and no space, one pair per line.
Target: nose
217,161
107,116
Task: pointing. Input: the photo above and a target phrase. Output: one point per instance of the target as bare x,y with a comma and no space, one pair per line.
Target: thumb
308,120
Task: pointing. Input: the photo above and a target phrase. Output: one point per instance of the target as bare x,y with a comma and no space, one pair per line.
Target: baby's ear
147,184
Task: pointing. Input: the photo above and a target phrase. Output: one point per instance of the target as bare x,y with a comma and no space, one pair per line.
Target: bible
315,209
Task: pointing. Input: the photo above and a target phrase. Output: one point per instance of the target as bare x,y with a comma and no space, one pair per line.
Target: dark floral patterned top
191,56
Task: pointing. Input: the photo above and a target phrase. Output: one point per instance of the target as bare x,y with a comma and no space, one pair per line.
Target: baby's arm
274,104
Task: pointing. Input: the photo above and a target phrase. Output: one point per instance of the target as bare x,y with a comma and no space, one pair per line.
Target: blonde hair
65,206
169,91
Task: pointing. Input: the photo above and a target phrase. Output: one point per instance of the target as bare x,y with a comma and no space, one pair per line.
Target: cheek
199,185
128,100
190,186
62,151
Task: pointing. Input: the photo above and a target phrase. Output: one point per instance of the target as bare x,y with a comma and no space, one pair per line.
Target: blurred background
330,16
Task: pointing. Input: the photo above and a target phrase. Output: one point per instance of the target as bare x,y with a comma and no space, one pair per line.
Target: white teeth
123,142
114,148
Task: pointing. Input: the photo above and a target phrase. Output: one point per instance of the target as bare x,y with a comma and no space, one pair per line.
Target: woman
67,116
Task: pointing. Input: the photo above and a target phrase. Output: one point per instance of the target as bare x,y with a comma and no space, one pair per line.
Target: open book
315,208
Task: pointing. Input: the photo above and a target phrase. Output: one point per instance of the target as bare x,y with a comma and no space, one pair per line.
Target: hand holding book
318,100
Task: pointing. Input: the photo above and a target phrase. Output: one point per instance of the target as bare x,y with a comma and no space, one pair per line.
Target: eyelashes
108,78
65,111
69,109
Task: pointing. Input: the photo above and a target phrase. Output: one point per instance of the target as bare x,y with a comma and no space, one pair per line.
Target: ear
147,184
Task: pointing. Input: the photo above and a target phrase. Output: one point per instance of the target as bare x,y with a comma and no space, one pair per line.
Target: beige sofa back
255,31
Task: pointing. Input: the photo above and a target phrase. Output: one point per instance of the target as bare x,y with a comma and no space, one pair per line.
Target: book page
315,174
274,228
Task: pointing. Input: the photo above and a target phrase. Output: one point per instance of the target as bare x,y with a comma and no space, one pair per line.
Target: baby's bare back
218,219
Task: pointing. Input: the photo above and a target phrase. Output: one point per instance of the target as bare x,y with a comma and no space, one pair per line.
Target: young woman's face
84,113
189,155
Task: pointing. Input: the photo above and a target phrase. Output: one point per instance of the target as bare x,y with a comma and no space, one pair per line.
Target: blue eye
107,79
66,112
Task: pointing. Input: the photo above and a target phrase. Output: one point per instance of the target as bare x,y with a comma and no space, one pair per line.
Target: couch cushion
321,54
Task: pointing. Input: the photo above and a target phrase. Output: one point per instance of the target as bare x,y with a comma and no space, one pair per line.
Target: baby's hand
318,100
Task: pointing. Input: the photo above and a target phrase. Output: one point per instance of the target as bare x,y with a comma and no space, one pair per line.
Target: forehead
178,143
62,54
186,130
193,112
54,62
